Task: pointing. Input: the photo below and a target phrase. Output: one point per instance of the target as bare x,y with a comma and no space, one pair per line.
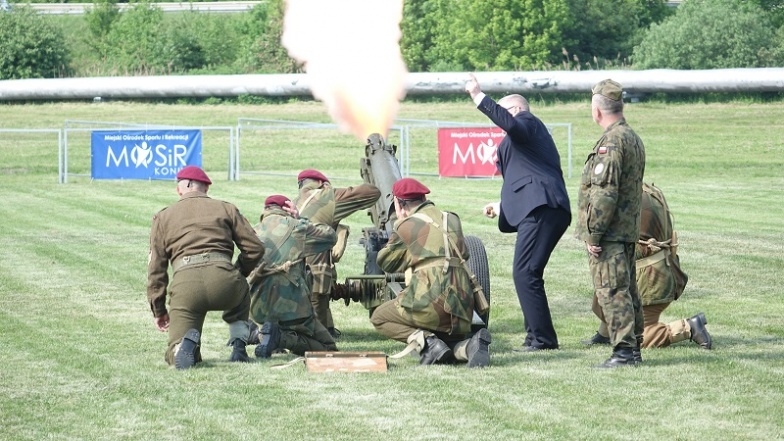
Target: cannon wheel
478,264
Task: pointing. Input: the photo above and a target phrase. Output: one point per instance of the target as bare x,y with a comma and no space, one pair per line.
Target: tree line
437,36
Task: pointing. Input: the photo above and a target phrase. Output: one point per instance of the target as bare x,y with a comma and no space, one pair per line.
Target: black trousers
537,236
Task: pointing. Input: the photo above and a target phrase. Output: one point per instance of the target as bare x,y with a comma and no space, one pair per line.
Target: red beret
312,174
409,188
276,199
194,173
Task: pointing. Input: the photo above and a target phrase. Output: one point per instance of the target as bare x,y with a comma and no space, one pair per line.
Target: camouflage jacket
278,288
610,188
438,297
328,205
193,225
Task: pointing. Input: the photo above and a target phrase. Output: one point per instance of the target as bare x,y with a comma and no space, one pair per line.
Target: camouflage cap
608,88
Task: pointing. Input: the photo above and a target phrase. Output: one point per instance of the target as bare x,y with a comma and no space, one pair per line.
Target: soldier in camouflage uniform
319,202
433,313
280,296
660,280
609,221
197,235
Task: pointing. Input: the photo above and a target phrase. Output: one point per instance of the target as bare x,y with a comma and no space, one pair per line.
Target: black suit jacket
529,163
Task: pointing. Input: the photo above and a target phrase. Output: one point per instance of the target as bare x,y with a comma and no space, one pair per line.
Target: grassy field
81,358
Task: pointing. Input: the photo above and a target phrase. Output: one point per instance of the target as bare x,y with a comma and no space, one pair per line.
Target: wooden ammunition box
327,361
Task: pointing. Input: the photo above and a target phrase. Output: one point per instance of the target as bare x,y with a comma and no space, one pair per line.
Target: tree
711,34
32,47
615,28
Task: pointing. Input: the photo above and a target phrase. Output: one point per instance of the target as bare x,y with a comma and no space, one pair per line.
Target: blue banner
143,154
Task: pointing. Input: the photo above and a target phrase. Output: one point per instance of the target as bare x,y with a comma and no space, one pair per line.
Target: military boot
597,339
478,349
270,340
637,354
435,351
620,357
238,352
699,334
253,338
185,354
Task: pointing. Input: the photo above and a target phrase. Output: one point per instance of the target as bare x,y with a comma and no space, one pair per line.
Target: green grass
81,358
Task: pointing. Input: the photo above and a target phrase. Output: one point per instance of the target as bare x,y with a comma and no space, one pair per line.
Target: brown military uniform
609,216
327,205
197,235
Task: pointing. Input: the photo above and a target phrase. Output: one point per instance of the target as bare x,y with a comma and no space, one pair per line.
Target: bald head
514,104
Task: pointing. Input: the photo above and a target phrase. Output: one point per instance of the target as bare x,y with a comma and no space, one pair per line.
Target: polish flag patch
602,150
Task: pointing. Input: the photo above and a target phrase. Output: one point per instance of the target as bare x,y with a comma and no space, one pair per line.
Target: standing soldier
197,235
280,296
319,202
433,313
660,280
609,221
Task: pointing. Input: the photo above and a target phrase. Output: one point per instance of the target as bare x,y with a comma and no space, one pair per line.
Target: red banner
468,151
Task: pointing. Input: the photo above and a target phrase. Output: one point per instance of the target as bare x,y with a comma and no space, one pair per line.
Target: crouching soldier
280,295
433,313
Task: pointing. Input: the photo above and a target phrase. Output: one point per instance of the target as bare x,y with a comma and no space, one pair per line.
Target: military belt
199,258
653,258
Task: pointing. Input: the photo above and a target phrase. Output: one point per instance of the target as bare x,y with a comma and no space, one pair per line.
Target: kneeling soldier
433,313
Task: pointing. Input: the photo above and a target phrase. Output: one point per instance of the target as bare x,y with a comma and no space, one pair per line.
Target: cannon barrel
380,167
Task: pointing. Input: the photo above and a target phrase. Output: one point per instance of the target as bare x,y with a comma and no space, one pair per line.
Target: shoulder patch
598,169
604,149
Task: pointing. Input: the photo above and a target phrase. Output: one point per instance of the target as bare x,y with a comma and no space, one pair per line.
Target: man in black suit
534,204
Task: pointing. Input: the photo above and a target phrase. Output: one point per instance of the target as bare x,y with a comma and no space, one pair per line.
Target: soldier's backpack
660,278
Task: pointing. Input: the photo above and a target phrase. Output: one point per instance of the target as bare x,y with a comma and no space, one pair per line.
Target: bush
711,34
32,47
135,44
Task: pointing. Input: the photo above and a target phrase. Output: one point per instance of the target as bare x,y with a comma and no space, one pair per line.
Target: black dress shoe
597,339
699,334
533,349
620,357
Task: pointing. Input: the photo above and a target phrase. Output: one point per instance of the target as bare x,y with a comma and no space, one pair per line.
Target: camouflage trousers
615,292
306,334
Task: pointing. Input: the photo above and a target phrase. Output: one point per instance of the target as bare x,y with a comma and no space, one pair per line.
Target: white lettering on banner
170,158
110,155
166,171
463,158
486,152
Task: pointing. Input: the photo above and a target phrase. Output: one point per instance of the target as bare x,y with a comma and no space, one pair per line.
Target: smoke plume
351,53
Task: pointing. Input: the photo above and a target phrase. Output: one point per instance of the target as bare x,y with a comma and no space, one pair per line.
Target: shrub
32,47
711,34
